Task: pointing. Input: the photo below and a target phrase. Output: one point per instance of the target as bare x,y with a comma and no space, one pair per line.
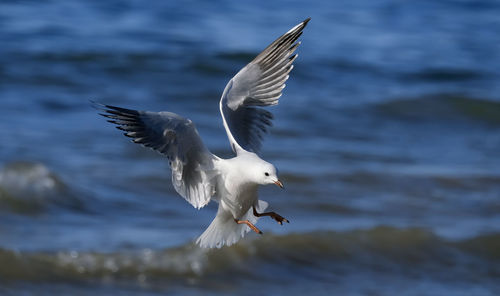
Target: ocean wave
29,188
237,56
444,75
380,247
443,106
103,56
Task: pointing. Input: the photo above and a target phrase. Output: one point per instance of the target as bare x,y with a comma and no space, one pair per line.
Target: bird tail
224,231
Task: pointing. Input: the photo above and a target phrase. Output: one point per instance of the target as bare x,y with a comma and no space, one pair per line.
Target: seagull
200,176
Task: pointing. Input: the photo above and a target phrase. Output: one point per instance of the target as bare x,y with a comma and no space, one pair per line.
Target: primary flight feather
200,176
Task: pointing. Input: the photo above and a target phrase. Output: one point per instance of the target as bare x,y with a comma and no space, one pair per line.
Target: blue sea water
387,138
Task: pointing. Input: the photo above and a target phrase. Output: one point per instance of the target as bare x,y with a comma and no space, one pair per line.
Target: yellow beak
278,183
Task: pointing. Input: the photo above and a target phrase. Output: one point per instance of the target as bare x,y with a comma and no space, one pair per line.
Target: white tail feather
224,231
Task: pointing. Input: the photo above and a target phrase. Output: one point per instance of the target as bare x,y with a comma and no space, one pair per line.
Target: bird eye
267,174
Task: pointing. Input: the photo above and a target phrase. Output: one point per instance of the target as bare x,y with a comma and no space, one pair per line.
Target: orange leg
249,225
273,215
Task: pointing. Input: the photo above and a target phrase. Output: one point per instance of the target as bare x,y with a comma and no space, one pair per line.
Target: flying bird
200,176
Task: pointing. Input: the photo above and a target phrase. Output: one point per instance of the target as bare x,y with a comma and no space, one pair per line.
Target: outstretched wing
259,83
193,173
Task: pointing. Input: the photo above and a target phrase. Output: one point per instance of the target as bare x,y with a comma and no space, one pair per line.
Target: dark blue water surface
387,138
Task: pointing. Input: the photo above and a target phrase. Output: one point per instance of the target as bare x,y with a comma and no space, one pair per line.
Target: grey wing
193,173
258,84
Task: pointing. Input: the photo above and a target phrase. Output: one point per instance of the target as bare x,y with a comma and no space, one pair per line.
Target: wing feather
258,84
193,173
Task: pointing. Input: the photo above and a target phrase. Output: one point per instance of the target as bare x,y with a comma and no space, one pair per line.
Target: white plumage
200,176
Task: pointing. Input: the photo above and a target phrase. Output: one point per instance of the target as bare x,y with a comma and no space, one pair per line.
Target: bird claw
273,215
279,219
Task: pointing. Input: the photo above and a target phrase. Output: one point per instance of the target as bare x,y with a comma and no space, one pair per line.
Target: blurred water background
387,139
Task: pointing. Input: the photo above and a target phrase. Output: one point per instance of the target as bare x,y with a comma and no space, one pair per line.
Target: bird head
268,174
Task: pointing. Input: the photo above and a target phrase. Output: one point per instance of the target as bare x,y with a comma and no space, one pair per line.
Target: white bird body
239,185
238,192
200,176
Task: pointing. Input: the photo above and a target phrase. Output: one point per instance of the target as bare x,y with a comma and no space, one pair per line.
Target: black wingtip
306,21
95,105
